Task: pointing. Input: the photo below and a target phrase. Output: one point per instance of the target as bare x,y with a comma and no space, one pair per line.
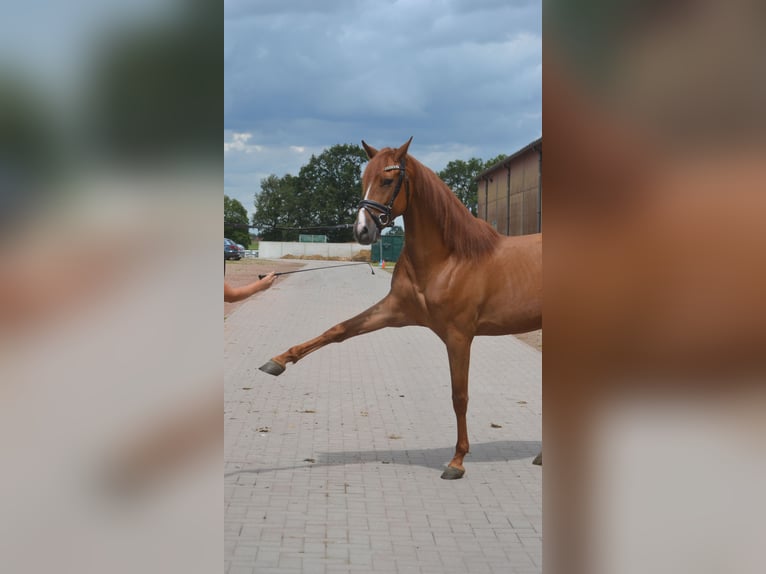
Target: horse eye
387,182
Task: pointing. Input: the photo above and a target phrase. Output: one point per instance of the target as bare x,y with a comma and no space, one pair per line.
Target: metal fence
391,245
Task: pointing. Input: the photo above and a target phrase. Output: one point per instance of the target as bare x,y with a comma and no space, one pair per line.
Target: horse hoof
538,460
272,367
452,473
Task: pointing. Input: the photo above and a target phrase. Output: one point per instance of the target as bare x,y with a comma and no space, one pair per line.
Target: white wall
277,249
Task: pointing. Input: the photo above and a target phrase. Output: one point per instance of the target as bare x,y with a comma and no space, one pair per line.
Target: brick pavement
334,466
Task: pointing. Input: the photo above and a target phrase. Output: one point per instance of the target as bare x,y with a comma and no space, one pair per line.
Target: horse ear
402,151
371,151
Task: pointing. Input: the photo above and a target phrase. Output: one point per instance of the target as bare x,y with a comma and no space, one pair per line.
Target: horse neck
424,244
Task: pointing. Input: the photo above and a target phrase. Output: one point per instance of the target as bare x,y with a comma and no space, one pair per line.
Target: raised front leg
385,313
459,350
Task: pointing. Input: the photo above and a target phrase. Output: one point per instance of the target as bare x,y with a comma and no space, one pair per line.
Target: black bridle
383,218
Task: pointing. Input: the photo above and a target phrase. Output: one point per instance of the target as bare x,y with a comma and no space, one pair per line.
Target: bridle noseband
383,219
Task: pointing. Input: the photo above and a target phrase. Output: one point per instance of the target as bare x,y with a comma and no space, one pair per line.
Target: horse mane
463,234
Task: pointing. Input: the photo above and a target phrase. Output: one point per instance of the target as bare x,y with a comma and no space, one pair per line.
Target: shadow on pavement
434,458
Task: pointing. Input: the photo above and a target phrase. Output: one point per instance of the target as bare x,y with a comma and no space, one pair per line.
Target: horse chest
440,307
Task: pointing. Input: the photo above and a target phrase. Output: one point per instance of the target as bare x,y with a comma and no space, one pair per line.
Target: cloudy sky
461,76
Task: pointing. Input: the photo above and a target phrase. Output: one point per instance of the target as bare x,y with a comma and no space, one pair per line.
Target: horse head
384,178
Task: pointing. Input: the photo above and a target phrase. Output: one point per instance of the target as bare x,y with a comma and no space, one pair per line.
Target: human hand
268,280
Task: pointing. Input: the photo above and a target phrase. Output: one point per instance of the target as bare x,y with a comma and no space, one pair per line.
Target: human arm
232,294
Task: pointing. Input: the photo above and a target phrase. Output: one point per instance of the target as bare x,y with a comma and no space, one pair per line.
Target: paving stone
370,499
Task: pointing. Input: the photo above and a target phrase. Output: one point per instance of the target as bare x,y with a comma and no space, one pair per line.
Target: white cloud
238,142
463,77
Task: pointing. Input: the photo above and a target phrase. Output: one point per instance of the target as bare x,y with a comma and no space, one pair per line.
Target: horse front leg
459,350
385,313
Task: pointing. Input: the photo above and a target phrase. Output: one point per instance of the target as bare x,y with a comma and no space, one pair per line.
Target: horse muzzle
366,232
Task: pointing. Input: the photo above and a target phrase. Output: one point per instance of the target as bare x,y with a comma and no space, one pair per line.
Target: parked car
241,249
230,250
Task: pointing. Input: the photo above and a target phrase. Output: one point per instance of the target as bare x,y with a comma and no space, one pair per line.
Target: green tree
235,221
460,176
330,187
324,193
490,162
276,208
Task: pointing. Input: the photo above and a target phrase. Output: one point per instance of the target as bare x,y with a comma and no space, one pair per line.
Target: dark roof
533,145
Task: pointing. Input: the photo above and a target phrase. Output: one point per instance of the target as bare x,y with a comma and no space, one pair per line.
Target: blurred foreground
110,287
655,272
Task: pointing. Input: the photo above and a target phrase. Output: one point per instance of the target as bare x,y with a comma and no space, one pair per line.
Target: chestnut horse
456,275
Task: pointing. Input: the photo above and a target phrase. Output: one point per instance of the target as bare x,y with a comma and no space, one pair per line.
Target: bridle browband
383,219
